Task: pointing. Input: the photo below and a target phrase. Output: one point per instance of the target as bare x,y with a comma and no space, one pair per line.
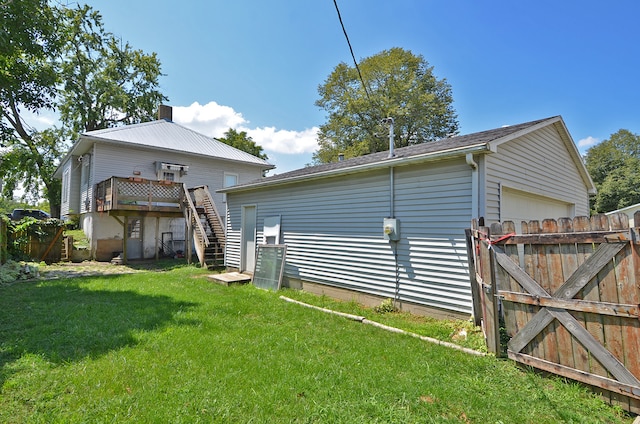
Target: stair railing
217,230
191,215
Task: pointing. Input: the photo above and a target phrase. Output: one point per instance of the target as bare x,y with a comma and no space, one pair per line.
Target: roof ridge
456,143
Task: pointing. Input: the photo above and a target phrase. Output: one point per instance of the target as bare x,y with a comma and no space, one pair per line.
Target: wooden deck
138,195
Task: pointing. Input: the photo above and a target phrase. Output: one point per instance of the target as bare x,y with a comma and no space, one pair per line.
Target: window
134,228
229,181
65,185
169,176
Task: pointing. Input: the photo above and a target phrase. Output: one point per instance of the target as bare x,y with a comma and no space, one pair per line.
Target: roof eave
265,166
386,163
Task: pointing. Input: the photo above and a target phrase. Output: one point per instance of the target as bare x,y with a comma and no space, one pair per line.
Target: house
385,226
629,211
127,187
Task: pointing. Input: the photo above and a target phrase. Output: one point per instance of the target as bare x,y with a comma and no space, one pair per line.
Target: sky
256,65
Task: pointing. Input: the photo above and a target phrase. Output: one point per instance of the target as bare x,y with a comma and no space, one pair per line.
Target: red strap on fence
499,239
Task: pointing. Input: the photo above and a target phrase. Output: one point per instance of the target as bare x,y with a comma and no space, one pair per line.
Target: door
134,238
521,206
248,239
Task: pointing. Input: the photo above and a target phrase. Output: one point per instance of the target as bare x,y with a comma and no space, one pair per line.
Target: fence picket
569,290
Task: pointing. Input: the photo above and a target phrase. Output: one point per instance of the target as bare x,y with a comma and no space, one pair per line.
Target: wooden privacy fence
565,294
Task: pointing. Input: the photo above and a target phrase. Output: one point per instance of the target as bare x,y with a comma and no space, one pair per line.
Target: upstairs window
229,181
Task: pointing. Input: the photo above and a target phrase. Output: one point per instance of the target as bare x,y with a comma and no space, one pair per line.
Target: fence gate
566,295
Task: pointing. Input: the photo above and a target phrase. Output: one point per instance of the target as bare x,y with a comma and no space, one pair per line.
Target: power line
366,91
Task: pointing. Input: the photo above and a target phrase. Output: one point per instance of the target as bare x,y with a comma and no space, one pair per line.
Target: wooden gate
566,295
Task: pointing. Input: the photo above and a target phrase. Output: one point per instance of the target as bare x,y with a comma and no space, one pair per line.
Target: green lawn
172,347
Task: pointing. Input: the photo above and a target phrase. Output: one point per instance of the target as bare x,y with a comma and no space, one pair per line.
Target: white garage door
522,206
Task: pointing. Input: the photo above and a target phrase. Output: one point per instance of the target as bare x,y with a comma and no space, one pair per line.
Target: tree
28,78
614,166
398,84
64,59
106,82
241,141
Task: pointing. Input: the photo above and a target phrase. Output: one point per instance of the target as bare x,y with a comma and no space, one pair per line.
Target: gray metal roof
448,147
167,135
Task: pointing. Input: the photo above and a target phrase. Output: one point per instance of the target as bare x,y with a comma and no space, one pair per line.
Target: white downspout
391,136
391,173
391,193
475,212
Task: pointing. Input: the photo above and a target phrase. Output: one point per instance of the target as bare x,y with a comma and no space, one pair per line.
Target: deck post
157,234
125,238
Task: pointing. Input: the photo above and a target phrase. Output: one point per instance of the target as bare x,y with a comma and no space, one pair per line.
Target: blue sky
256,65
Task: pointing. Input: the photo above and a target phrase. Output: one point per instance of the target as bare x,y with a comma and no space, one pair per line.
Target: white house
126,183
629,211
376,227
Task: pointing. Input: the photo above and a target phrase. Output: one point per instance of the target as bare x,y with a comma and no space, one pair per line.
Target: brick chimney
165,112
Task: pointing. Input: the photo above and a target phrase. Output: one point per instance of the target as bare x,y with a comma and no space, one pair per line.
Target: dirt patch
84,269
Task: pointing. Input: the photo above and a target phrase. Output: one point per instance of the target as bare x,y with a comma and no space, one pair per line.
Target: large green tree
241,141
64,60
106,83
29,43
397,84
614,166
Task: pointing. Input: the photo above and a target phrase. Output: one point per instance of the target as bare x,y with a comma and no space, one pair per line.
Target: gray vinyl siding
536,163
434,208
333,232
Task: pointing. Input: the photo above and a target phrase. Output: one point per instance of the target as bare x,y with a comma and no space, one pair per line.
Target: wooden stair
209,238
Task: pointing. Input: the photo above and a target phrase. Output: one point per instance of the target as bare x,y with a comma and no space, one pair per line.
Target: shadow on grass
62,322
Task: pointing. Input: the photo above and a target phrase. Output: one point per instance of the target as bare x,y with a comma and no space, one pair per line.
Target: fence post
471,258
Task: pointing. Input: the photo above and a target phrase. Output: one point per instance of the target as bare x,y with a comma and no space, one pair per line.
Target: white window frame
66,181
225,184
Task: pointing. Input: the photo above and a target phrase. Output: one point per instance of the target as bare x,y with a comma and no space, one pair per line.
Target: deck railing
138,194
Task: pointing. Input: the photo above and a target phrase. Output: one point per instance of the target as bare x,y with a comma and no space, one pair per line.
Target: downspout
475,212
392,212
392,192
391,169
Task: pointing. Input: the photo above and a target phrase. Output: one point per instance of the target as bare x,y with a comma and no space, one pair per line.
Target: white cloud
214,120
285,141
585,143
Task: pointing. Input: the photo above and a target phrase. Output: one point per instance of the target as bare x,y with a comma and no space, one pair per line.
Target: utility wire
366,91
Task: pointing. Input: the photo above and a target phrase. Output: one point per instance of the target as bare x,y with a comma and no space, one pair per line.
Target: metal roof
167,135
484,141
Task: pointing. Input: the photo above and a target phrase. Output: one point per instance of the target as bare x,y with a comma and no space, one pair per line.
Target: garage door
522,206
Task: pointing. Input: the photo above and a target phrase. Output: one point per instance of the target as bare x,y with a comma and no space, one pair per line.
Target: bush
13,271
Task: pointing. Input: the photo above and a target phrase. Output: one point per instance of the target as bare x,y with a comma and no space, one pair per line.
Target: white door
134,238
520,206
248,231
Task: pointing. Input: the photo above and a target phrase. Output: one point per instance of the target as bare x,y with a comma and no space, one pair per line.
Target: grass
80,240
462,333
170,346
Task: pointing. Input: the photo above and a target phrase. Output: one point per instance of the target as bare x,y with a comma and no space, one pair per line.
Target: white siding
111,160
536,163
72,204
86,183
333,231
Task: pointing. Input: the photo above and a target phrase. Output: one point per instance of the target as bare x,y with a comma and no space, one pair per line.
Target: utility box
391,229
